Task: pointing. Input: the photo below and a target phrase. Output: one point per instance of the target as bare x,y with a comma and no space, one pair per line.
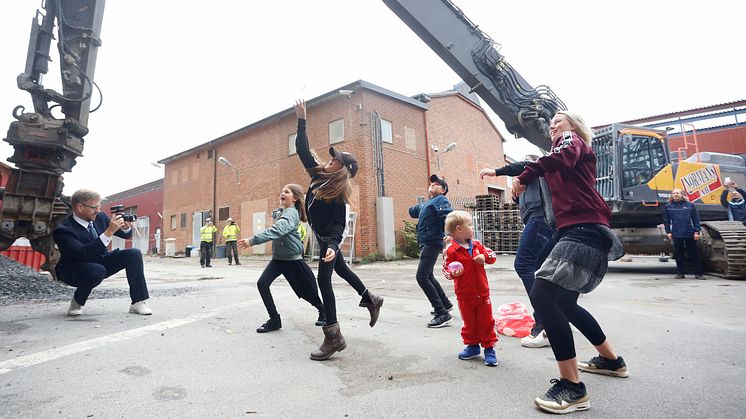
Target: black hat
347,159
441,181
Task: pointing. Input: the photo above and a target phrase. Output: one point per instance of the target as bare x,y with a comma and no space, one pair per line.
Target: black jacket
327,218
536,201
76,244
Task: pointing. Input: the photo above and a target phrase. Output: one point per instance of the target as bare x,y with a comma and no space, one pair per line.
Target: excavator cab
631,165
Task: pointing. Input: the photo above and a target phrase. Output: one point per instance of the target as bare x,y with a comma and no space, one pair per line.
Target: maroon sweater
570,173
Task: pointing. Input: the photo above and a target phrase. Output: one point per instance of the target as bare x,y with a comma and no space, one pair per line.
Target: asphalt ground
199,356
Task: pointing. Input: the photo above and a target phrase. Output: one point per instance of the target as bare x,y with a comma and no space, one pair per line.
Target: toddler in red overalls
463,262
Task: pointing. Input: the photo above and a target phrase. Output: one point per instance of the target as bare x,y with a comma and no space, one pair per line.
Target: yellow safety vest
230,232
302,231
206,232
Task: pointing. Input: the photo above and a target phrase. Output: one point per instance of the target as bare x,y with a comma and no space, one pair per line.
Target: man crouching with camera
83,240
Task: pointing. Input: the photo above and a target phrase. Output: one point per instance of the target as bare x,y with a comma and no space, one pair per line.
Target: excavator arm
45,145
474,56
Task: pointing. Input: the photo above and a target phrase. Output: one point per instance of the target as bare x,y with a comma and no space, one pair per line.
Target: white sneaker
75,308
539,341
141,307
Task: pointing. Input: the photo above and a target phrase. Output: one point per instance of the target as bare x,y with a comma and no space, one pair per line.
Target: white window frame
339,123
291,144
387,134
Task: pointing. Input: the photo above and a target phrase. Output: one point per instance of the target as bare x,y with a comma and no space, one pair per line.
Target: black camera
119,209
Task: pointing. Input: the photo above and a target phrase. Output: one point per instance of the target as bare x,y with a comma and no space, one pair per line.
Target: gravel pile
20,283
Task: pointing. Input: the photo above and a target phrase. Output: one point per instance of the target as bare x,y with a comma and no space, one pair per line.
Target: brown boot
374,306
333,342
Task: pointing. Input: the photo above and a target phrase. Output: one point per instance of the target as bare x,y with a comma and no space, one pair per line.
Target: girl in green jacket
287,257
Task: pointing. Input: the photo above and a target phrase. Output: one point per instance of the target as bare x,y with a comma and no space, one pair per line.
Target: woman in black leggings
327,195
576,264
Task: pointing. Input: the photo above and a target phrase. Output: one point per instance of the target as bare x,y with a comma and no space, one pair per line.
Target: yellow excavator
635,170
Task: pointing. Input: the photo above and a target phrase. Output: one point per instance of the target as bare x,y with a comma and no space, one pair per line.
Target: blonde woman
576,264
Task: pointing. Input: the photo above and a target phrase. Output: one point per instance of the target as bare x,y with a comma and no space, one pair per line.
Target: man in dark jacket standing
432,215
536,239
85,261
681,220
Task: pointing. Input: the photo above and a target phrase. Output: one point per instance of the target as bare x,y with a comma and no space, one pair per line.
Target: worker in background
206,236
736,206
681,220
230,234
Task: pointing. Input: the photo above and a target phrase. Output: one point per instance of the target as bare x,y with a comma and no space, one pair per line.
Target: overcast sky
176,74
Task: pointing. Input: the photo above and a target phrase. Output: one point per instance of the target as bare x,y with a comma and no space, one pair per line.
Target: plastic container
170,247
219,252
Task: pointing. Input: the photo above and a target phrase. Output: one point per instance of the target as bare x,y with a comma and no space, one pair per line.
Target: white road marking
39,357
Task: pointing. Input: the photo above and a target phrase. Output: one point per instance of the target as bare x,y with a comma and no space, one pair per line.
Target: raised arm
301,138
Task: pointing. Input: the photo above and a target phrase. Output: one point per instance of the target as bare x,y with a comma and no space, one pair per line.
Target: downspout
213,215
427,143
214,179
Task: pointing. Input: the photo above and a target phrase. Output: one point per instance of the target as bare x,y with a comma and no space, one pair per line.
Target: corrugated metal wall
25,255
728,141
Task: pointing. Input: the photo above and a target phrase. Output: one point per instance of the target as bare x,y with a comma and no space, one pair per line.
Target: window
223,213
183,221
173,222
209,154
336,131
291,144
637,160
387,135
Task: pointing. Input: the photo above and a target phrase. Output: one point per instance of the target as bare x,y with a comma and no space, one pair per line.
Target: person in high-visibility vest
230,233
206,234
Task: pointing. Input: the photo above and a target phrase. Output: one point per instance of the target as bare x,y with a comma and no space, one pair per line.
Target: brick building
240,174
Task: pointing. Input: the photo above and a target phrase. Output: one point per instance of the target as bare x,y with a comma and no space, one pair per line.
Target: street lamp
225,162
437,152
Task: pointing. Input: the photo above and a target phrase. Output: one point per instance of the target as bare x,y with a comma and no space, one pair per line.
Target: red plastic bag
513,320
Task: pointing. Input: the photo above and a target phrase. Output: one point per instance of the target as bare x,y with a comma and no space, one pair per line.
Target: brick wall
261,157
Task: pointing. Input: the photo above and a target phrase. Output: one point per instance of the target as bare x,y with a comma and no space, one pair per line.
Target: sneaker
700,276
490,358
470,352
538,341
601,365
448,306
274,323
680,276
440,320
141,307
564,397
75,308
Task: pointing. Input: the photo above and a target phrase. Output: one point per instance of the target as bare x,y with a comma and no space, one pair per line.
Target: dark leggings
559,307
290,269
426,280
339,266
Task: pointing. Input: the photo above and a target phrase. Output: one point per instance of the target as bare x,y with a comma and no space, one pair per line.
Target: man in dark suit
83,240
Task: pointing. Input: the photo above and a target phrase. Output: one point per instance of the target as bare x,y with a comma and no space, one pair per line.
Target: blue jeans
535,244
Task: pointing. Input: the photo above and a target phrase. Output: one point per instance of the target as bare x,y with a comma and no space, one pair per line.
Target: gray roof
360,84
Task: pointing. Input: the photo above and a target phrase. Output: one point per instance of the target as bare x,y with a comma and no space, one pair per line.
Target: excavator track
724,248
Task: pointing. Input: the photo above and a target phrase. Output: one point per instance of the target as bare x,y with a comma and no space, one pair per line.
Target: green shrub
410,247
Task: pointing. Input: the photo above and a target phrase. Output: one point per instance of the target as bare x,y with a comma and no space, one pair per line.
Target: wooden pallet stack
498,225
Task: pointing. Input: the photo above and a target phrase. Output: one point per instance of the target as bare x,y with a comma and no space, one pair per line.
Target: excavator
636,171
47,141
